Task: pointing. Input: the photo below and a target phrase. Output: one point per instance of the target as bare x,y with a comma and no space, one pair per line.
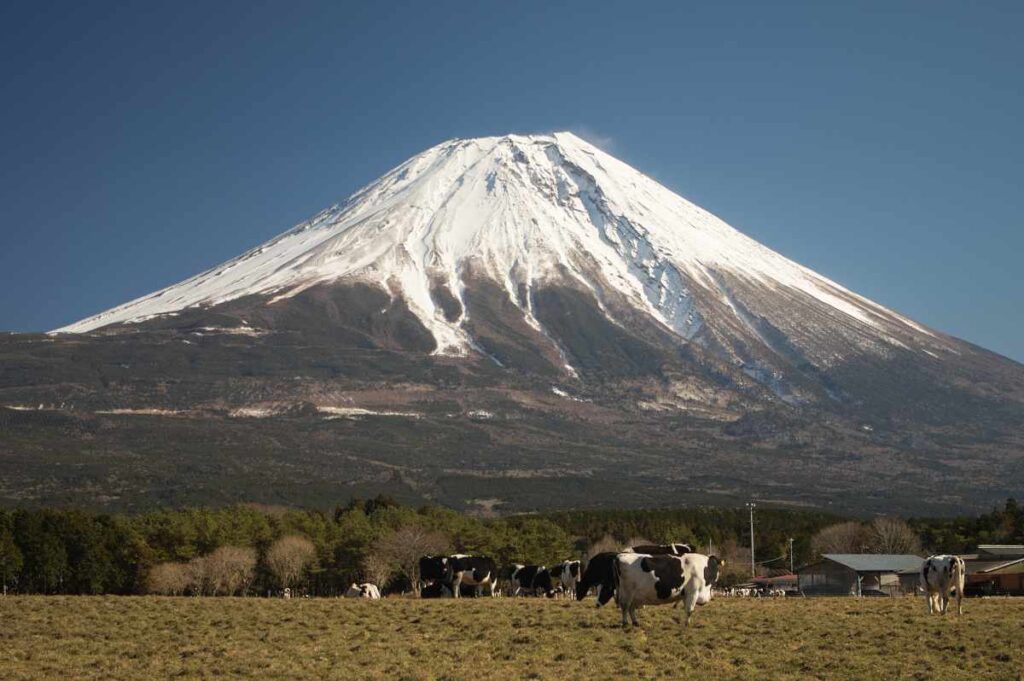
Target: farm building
996,569
785,582
859,574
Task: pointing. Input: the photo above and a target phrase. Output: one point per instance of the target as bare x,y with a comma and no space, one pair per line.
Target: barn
858,574
995,570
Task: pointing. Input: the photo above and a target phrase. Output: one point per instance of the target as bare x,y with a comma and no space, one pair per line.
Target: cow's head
581,591
713,570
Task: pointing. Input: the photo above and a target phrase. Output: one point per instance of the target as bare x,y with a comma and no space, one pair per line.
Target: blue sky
880,144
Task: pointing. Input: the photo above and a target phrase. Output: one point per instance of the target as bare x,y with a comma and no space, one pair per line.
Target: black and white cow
528,580
599,574
365,590
942,577
475,571
433,569
567,574
659,580
661,549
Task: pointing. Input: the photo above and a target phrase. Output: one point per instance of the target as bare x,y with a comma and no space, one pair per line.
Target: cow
941,577
658,580
365,590
529,579
435,590
567,574
661,549
599,573
476,571
433,569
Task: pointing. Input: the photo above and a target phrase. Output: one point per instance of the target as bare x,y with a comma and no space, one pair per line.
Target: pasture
77,637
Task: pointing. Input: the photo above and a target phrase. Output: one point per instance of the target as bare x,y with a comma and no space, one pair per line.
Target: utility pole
791,570
753,572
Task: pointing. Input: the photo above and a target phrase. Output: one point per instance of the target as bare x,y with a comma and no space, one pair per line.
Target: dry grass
153,637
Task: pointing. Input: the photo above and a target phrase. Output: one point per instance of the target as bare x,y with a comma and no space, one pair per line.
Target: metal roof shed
856,574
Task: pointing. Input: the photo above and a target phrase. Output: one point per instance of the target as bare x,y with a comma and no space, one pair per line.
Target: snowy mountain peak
524,211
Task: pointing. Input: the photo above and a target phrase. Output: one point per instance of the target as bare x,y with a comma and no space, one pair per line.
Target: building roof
1007,550
1004,567
876,562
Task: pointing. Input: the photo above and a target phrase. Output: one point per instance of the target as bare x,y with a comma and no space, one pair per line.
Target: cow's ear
645,566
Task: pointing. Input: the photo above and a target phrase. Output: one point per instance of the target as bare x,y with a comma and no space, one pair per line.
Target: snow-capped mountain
513,319
526,212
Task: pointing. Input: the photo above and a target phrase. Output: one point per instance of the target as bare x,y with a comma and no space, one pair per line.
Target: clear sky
880,144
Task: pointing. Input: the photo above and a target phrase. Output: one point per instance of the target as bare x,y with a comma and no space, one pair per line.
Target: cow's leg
624,607
456,585
689,603
632,615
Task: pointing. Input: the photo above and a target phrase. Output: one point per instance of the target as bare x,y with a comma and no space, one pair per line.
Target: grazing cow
475,571
365,590
599,573
941,577
662,549
529,579
658,580
567,573
435,590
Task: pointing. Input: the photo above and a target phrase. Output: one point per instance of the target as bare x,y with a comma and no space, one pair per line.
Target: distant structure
860,574
995,570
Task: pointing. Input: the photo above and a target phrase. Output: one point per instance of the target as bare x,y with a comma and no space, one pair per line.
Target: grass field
74,638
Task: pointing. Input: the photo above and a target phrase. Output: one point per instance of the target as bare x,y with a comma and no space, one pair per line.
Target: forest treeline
249,549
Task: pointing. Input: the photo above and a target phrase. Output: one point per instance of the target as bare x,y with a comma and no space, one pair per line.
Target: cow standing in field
529,579
659,580
567,573
600,574
942,576
433,569
366,590
476,571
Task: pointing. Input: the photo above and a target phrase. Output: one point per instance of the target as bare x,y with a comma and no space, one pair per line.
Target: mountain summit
526,212
520,320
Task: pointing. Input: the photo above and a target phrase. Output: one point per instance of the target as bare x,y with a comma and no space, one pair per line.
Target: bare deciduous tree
894,535
289,557
228,570
638,541
168,579
405,546
737,562
231,569
377,569
199,582
849,537
605,544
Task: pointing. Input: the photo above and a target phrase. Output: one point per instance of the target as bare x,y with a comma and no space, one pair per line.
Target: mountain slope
501,316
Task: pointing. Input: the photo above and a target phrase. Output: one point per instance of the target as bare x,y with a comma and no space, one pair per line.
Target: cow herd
655,574
652,574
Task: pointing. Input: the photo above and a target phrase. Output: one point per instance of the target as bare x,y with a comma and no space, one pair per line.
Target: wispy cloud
599,140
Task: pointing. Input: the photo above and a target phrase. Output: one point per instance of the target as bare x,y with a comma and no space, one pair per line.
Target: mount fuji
510,323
